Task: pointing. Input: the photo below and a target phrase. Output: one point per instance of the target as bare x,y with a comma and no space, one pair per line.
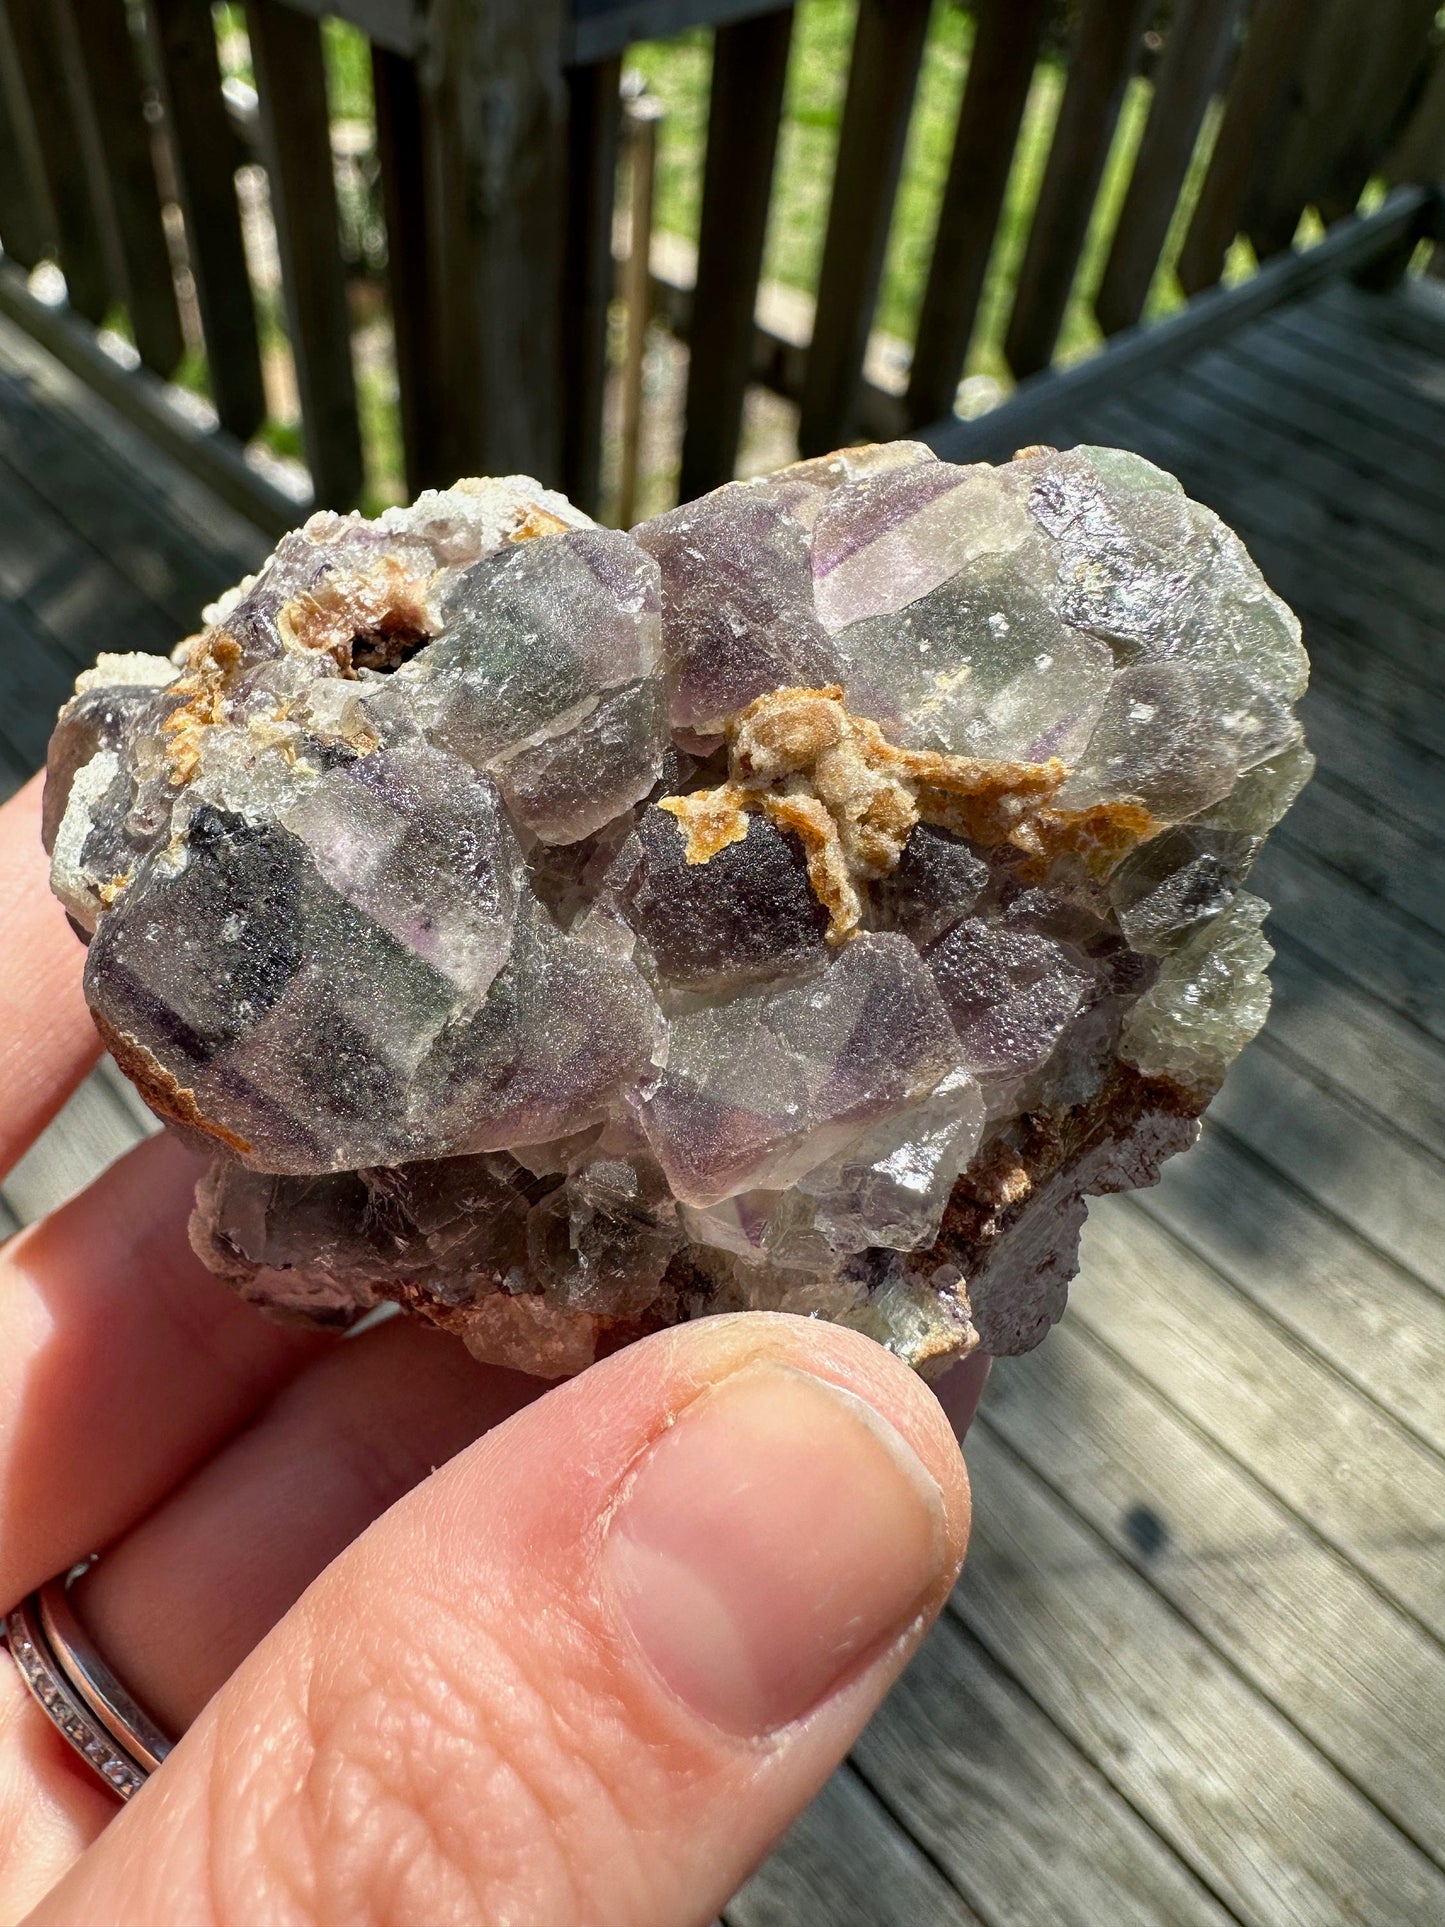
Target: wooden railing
497,126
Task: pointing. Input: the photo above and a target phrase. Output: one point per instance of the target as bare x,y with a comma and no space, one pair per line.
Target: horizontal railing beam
155,407
1350,246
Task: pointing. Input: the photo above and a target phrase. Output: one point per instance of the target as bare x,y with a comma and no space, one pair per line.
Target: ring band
80,1694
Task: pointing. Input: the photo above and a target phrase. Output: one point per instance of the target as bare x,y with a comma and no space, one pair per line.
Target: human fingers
178,1603
123,1363
47,1040
586,1673
181,1600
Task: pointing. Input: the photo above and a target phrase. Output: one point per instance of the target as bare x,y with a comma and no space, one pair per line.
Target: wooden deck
1193,1673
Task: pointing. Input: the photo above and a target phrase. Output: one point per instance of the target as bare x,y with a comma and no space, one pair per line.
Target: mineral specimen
804,901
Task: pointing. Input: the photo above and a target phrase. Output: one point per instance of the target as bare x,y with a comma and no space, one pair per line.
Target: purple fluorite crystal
802,902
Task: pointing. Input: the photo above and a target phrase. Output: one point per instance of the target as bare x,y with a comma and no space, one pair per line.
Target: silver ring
79,1694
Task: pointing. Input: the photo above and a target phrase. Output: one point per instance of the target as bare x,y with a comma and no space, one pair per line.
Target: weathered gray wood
495,120
1022,1822
1369,1175
115,97
845,1863
1007,38
749,68
1142,1693
594,125
137,470
296,143
1336,825
1045,400
1105,52
26,219
1196,50
1385,383
1369,1320
34,681
185,43
1401,779
1329,1025
1361,1681
144,400
1349,1470
1302,410
162,557
1354,1045
1256,440
1388,957
887,49
1248,137
42,36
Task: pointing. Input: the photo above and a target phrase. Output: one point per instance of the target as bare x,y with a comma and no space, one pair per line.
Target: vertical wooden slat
1399,65
1322,94
496,183
1418,150
112,79
887,50
400,154
1200,38
750,65
296,143
38,29
594,121
190,75
641,121
1006,46
1248,135
1105,52
25,217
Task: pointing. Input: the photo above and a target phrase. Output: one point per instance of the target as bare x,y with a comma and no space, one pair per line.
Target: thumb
586,1674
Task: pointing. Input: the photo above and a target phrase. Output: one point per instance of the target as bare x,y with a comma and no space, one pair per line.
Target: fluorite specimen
804,901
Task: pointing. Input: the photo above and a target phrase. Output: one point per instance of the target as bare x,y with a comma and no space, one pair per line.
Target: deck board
1193,1673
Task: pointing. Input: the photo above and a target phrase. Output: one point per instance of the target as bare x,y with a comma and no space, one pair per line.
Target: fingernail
779,1532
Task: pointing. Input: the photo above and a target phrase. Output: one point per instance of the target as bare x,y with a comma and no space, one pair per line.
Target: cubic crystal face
804,901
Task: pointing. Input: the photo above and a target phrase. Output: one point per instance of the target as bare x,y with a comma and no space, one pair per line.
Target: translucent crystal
801,903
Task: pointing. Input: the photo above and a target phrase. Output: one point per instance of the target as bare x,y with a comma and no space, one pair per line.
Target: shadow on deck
1193,1673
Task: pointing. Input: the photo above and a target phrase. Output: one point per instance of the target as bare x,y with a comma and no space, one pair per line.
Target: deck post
495,111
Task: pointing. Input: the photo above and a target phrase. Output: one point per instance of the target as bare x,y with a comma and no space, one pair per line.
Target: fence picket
1106,49
750,63
1195,56
1249,134
39,31
594,127
1006,46
887,51
296,144
1399,59
24,217
116,98
400,156
190,74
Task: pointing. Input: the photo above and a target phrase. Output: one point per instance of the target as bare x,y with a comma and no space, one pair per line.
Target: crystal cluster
804,901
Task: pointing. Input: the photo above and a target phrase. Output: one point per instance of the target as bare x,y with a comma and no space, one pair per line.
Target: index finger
47,1040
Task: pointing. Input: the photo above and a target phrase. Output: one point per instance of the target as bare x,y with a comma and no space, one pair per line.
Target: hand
585,1672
